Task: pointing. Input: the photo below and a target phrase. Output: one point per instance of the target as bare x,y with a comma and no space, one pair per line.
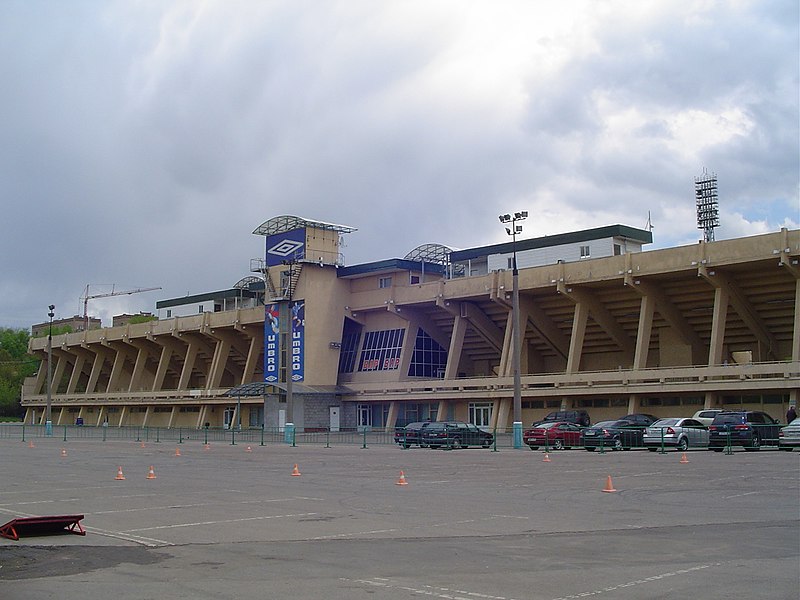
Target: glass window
585,253
429,359
349,351
384,282
381,350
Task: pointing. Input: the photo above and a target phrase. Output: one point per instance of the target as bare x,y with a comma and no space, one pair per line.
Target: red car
556,435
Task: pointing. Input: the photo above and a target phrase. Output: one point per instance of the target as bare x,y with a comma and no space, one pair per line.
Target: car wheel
789,449
433,446
534,447
755,445
617,444
683,445
558,444
717,449
590,449
456,444
652,449
406,446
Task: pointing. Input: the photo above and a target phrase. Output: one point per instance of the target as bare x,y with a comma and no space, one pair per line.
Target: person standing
791,414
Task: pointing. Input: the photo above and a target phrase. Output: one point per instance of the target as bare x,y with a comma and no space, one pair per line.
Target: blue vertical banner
272,336
298,329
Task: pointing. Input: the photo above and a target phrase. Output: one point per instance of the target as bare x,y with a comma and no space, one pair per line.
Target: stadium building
604,326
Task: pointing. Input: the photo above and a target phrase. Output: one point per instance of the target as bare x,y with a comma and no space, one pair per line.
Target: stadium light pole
515,350
48,421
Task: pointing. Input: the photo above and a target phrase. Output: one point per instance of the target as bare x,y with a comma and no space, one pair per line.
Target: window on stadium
381,351
349,351
429,358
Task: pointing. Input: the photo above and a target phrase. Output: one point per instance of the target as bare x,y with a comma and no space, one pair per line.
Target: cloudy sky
141,142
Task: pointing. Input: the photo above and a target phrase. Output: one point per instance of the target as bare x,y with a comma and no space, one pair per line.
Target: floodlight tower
705,190
513,231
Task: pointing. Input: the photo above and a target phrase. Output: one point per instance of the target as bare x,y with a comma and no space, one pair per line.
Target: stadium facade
305,339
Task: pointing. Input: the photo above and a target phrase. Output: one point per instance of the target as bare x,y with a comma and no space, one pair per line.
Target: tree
15,365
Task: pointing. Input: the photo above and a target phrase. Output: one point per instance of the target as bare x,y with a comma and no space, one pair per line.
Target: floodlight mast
705,188
513,231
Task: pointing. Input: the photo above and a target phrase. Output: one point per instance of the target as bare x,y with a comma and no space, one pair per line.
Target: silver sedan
678,433
789,436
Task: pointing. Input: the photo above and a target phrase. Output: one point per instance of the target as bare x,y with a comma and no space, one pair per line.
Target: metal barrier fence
722,439
254,436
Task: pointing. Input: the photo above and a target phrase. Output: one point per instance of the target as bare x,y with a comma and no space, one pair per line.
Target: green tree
15,365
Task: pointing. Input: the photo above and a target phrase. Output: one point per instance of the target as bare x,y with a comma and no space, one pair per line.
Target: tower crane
86,297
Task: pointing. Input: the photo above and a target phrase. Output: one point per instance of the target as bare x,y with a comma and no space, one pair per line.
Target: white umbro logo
286,247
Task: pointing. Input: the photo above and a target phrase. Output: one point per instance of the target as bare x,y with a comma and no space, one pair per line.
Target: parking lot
222,522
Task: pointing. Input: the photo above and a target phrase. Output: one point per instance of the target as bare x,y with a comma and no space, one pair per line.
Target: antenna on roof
649,224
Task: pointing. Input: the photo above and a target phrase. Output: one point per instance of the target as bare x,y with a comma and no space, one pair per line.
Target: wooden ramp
51,525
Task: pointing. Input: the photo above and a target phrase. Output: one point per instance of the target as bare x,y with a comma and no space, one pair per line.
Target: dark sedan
552,435
410,435
617,435
455,434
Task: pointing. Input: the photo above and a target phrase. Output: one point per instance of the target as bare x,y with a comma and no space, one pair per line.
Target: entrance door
334,423
227,417
480,413
364,415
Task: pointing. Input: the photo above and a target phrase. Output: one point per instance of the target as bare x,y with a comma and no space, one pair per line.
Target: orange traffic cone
609,486
207,447
402,480
141,445
177,451
119,476
152,473
296,471
684,460
30,444
249,449
63,452
546,457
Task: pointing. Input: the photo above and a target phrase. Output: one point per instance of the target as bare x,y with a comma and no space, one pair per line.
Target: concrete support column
456,346
721,299
644,332
391,418
576,340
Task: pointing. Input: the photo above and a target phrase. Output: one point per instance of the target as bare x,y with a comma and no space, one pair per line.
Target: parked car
640,419
618,435
579,417
706,416
789,436
748,428
680,433
455,434
553,434
410,434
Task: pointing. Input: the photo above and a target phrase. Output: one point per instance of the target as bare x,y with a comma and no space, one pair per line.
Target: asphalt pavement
470,524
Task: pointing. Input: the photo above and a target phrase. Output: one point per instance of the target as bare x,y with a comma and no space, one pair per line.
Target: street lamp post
515,354
48,421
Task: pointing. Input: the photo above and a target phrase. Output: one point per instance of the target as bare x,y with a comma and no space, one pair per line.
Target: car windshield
665,423
545,425
602,424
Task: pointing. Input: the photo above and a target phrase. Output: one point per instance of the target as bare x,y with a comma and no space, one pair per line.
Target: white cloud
146,140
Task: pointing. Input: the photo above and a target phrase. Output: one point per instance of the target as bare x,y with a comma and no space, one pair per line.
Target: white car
789,436
706,416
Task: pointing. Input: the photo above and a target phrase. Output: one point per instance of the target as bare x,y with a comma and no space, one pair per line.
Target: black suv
748,428
410,434
455,434
579,417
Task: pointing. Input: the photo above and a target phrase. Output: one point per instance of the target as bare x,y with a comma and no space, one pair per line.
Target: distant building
77,323
118,320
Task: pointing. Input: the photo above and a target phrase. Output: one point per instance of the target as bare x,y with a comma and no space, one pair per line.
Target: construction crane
86,297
